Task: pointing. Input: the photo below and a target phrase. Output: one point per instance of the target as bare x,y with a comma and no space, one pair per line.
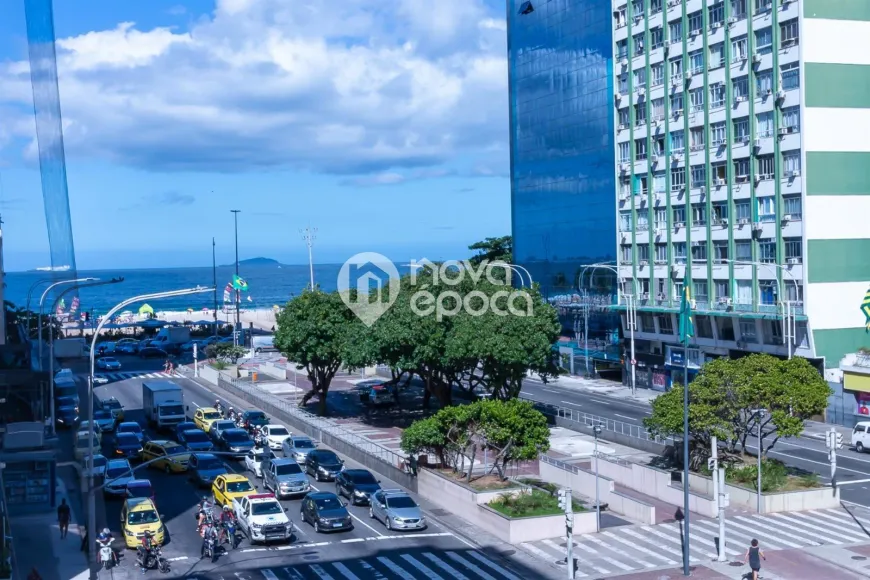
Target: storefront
27,481
676,364
855,396
649,372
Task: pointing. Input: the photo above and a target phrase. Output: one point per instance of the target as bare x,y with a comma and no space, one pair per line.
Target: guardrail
560,464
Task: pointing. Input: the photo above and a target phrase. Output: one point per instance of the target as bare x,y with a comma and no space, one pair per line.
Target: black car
323,464
357,485
66,412
253,419
195,440
127,445
182,427
151,352
236,441
326,512
203,468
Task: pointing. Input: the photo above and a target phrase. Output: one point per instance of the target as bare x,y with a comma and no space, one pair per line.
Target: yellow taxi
139,516
114,406
205,416
171,457
83,444
230,486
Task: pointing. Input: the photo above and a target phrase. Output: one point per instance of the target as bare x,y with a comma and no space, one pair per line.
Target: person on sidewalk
63,517
754,556
85,546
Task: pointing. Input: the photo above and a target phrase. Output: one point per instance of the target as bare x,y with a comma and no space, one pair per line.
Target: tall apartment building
741,163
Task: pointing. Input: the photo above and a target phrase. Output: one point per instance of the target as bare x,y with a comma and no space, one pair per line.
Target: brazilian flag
687,322
239,284
865,308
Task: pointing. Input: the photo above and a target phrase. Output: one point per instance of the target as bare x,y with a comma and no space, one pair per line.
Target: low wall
583,481
209,374
782,501
470,505
273,371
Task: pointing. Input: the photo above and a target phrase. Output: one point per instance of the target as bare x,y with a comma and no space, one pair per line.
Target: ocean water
267,286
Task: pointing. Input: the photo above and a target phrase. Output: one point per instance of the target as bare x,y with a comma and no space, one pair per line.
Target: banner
228,292
75,305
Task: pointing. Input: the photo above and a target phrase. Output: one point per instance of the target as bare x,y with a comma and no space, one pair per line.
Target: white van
861,436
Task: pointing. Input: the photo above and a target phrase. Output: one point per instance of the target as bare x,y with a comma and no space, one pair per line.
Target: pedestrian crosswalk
388,565
629,548
124,375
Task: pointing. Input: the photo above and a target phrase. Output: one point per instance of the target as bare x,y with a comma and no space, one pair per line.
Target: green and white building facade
742,137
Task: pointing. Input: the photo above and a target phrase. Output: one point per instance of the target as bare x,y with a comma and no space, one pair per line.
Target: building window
791,206
624,117
680,252
699,251
716,14
655,6
658,109
720,251
794,293
772,331
791,163
622,49
720,173
639,78
741,129
793,249
640,114
625,223
640,149
678,178
791,119
720,211
679,214
747,329
627,256
624,187
763,83
696,62
677,103
659,182
788,33
658,144
717,55
678,290
676,69
717,134
766,209
619,15
697,135
739,49
661,253
655,36
624,152
767,292
740,88
701,294
738,9
643,252
767,250
678,141
657,74
696,23
790,74
637,44
640,188
699,176
764,40
666,323
696,98
699,215
661,219
622,84
764,124
675,31
717,95
722,288
743,251
742,210
763,5
741,169
765,167
637,7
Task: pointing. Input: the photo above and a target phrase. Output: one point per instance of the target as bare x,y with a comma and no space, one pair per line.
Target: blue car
131,427
203,468
182,427
127,446
195,440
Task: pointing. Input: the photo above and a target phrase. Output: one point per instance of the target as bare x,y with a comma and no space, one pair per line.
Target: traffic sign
633,362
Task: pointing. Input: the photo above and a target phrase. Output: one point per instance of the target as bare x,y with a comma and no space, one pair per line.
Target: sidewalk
38,545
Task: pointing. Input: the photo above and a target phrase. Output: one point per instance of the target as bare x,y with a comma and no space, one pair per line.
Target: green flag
865,308
240,284
687,323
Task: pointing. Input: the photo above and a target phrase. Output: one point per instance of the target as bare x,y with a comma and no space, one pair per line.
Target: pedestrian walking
412,463
754,556
63,517
85,546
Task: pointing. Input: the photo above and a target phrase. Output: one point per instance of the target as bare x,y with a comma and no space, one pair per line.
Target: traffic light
563,500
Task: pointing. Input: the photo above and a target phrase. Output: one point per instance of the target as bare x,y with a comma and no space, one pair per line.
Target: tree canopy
226,351
493,250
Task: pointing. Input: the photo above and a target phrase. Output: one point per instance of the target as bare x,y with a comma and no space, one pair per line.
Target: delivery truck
163,404
170,338
70,348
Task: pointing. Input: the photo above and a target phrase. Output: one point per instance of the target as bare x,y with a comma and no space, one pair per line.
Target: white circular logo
362,282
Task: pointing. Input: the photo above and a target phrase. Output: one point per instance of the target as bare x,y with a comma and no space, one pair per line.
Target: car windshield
129,428
400,502
303,444
195,436
109,360
139,491
212,415
143,517
104,415
288,469
327,503
220,425
266,508
236,436
256,416
210,464
363,478
126,439
115,472
171,410
99,461
239,486
278,431
328,458
173,449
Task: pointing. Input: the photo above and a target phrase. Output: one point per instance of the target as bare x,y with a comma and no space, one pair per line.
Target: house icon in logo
361,283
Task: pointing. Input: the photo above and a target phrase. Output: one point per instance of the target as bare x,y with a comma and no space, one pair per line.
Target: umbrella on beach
146,309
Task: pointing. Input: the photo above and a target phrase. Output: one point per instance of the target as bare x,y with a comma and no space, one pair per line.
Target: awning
856,382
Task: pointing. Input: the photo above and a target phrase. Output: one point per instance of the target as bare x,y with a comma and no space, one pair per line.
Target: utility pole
214,281
597,431
722,498
308,236
759,415
834,441
632,321
565,502
236,335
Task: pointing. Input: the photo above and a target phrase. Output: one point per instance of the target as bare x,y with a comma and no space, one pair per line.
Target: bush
219,365
773,475
529,503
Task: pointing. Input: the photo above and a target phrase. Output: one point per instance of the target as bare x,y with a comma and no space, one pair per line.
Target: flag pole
686,453
214,283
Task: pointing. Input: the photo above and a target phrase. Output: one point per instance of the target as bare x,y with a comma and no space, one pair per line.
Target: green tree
514,431
314,330
493,250
226,351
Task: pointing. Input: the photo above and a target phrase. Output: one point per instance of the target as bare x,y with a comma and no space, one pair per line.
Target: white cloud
351,87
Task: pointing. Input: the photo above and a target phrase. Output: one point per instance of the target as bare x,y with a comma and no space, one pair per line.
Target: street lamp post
96,282
92,514
29,295
237,292
759,415
597,431
308,236
42,302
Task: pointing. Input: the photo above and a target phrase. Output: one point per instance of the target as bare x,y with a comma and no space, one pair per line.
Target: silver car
284,477
397,510
298,447
218,427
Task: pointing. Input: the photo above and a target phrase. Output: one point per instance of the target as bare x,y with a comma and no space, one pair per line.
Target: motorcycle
230,532
153,559
107,555
210,551
219,408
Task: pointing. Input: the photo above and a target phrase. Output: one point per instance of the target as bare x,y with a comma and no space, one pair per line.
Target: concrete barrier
273,371
471,505
771,502
209,374
583,481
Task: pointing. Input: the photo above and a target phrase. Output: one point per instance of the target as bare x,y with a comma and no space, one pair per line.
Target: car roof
236,430
130,423
321,495
252,411
162,442
186,431
117,462
200,456
394,492
207,410
282,460
139,504
139,483
302,438
231,477
273,425
358,472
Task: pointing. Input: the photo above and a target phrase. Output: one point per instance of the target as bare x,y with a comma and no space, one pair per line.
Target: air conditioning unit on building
695,32
675,157
732,21
724,222
740,99
641,91
720,182
672,3
623,197
741,344
679,225
642,263
756,226
675,83
638,16
715,25
661,296
742,222
688,75
782,131
756,58
644,296
780,95
786,217
768,92
794,261
756,143
725,300
655,123
654,159
623,167
621,127
617,96
794,174
703,189
623,62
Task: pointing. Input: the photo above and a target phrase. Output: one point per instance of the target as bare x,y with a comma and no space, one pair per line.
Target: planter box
771,502
470,504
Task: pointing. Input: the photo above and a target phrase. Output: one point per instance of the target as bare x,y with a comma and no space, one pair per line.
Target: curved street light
29,296
92,514
42,302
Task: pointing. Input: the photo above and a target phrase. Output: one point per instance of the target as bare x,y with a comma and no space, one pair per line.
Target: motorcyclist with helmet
208,533
205,513
219,407
145,550
227,520
104,540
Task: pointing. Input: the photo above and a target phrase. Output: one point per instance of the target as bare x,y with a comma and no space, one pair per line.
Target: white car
861,436
101,380
275,435
108,363
99,465
118,475
254,460
262,518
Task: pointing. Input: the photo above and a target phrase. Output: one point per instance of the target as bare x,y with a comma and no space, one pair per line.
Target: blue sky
383,124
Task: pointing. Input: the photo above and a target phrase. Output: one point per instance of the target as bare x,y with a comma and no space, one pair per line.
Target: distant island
255,262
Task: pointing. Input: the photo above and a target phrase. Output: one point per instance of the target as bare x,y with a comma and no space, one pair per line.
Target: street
807,452
366,551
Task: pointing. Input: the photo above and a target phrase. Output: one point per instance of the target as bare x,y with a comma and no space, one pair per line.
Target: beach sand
263,319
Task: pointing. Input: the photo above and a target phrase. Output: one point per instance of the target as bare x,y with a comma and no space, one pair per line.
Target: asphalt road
367,551
807,452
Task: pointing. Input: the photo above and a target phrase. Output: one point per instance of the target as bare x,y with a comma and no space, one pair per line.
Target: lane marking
625,417
826,464
444,566
839,483
489,563
268,574
596,554
321,573
400,572
345,571
642,538
613,536
177,558
570,403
